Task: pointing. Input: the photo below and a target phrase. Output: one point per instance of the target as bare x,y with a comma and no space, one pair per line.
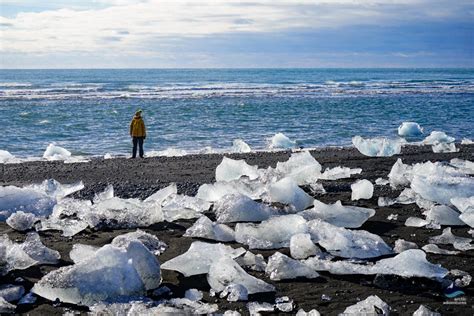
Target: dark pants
137,141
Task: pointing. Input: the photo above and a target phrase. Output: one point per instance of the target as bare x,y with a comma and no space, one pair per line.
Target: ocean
88,111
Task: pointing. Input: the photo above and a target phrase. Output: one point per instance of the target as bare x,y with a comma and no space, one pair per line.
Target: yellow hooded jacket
137,127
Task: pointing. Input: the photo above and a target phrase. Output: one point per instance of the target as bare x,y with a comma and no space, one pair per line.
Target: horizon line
234,68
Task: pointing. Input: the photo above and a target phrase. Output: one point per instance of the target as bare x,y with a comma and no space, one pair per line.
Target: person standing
138,133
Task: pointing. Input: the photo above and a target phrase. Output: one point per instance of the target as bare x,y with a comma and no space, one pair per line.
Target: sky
236,33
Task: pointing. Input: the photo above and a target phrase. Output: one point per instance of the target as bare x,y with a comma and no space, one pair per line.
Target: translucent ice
400,175
182,206
443,215
5,307
5,156
402,245
284,304
21,221
281,267
468,216
205,228
151,242
416,222
255,308
279,140
10,292
339,173
54,152
432,248
463,204
163,194
199,258
347,243
252,261
377,147
380,181
230,169
425,311
444,148
467,141
447,237
240,208
273,233
409,129
113,272
301,167
225,271
239,146
437,137
302,247
193,294
235,292
312,312
286,191
215,191
39,252
80,252
372,305
362,189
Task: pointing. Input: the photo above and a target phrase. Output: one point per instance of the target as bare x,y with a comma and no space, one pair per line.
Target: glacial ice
5,156
443,215
199,258
464,166
377,147
313,312
416,222
255,308
240,208
161,195
362,189
347,243
402,245
302,247
151,242
372,306
407,129
425,311
235,292
230,169
447,237
29,298
301,167
437,137
5,307
432,248
193,294
21,221
10,292
286,191
444,148
252,261
225,271
281,141
178,206
217,190
463,204
339,173
81,252
468,216
284,304
338,214
466,141
113,272
282,267
205,228
273,233
400,175
239,146
39,252
54,152
380,181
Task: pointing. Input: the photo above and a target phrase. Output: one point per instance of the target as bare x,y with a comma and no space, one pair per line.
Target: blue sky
232,33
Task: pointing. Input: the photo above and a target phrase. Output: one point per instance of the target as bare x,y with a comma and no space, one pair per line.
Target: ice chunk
403,245
205,228
391,217
301,167
312,312
5,156
377,147
281,267
5,307
112,273
29,298
468,216
39,252
252,261
444,148
193,294
425,311
151,242
339,173
273,233
82,252
432,248
255,308
416,222
467,141
239,146
163,194
400,175
465,166
347,243
54,152
463,204
280,140
437,137
69,226
216,191
380,181
362,189
372,305
302,247
286,191
179,202
10,292
407,129
447,237
235,292
12,256
225,271
284,304
21,221
199,257
230,169
240,208
443,215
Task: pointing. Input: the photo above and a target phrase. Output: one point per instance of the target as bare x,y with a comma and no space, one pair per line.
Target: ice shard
301,167
372,305
286,191
241,208
281,267
302,247
205,228
21,221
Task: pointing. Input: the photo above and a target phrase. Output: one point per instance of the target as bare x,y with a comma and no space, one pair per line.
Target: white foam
54,152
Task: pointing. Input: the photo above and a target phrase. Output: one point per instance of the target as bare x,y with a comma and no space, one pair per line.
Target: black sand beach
140,178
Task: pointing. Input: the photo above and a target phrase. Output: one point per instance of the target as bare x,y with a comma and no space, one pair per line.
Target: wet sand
140,178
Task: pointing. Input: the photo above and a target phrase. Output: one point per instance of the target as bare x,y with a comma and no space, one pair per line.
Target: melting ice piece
205,228
151,242
312,312
416,222
347,243
225,271
29,298
239,146
447,237
252,261
241,208
443,215
255,308
445,148
199,257
5,156
39,252
193,294
468,216
5,307
463,204
403,245
362,189
302,247
279,140
235,292
301,167
10,292
273,233
339,173
161,195
281,267
286,191
54,152
432,248
372,305
230,169
21,221
437,137
465,166
112,273
81,252
284,304
425,311
216,191
466,141
69,226
380,181
400,175
338,215
338,267
409,129
377,147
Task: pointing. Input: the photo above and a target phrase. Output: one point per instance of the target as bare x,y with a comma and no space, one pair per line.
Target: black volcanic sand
140,178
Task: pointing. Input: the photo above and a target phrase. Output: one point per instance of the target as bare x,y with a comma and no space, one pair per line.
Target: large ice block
21,221
377,147
282,267
301,167
151,242
437,137
241,208
216,191
286,191
205,228
443,215
230,169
